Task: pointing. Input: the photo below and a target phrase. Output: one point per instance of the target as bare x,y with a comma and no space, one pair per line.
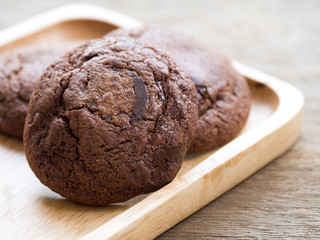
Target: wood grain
278,37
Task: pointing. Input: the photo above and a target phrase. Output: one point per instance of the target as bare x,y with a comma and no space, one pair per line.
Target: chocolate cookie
223,94
20,69
110,120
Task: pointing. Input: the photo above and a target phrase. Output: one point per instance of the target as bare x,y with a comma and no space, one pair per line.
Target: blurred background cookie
20,69
223,94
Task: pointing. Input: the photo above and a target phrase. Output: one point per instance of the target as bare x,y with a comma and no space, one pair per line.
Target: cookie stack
115,117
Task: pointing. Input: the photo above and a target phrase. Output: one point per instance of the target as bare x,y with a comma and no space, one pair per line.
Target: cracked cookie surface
110,120
223,94
20,70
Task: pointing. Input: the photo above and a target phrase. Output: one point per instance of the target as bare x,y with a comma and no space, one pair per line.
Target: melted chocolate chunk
141,92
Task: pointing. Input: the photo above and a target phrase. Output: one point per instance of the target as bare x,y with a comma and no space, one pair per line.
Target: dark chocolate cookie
110,120
20,69
223,94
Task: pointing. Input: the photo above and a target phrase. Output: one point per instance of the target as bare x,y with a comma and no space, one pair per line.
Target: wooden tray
29,210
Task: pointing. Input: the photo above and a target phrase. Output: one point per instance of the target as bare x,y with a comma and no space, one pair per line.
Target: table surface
281,38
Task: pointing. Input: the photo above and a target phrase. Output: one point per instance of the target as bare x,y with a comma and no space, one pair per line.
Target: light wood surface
283,199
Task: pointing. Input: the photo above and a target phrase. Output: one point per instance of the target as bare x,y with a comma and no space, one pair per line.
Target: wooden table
281,38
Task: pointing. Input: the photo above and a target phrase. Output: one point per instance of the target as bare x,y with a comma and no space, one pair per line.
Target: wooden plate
29,210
